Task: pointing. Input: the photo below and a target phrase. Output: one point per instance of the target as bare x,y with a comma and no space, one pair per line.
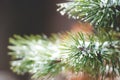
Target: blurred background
27,17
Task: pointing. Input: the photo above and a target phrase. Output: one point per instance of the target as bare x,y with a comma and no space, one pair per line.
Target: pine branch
35,54
91,55
42,56
100,13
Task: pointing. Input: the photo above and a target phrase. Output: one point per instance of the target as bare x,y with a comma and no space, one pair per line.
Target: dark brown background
27,17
